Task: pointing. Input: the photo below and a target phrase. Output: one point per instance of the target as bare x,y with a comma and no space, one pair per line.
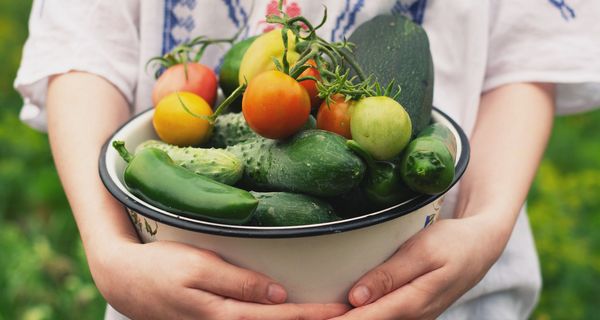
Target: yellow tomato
176,125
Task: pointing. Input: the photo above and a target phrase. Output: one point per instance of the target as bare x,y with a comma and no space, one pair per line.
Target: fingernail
361,295
276,293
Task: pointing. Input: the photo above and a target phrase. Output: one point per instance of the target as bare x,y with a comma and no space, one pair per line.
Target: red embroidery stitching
292,9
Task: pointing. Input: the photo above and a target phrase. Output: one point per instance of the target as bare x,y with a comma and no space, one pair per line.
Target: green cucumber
383,185
314,162
217,164
427,165
231,128
399,51
351,204
290,209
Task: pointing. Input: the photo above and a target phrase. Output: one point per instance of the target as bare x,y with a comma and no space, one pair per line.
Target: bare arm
83,111
509,139
161,280
435,267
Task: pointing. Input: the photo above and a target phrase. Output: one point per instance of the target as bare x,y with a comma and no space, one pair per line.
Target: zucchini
427,164
392,47
314,162
217,164
290,209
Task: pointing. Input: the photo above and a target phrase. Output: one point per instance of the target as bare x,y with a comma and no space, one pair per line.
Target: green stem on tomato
354,64
229,100
286,63
220,109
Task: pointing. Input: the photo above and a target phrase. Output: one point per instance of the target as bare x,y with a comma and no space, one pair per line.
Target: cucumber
290,209
351,204
231,128
217,164
383,185
314,162
400,51
427,165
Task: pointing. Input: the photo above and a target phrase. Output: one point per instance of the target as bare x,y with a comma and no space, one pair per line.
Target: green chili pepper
383,185
155,178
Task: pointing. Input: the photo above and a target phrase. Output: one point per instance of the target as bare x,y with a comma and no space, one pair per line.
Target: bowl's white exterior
312,268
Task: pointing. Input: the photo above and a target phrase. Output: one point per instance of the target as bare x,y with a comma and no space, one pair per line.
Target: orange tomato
275,105
311,85
335,117
177,126
201,80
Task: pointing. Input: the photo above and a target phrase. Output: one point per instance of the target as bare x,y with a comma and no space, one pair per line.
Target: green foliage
564,208
43,271
44,274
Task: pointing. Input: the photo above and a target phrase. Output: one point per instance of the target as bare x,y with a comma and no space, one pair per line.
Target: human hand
168,280
428,272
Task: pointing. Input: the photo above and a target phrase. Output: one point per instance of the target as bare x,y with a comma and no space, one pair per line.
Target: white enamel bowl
315,263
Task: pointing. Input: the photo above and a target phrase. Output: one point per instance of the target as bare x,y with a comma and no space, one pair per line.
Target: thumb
407,264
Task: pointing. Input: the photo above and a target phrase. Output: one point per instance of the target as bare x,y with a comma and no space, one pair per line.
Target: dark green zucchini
427,164
314,162
290,209
393,47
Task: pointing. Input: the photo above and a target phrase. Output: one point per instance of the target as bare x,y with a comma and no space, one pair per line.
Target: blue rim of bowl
286,232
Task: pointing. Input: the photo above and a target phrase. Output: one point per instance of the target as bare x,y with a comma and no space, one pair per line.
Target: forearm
507,144
83,110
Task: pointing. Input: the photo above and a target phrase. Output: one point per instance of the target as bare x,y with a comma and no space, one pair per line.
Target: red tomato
275,105
336,116
311,85
201,81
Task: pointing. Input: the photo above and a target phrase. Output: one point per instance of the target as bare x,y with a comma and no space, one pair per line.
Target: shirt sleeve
554,41
95,36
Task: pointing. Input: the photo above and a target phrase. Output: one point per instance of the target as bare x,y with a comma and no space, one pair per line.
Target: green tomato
381,126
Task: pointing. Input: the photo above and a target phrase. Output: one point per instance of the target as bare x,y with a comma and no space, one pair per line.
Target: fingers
424,298
412,260
285,311
210,273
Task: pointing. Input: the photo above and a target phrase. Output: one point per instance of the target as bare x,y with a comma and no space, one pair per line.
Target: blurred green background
43,271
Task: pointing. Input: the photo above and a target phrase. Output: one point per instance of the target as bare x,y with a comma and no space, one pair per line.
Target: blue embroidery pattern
349,15
414,10
177,17
234,9
565,10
